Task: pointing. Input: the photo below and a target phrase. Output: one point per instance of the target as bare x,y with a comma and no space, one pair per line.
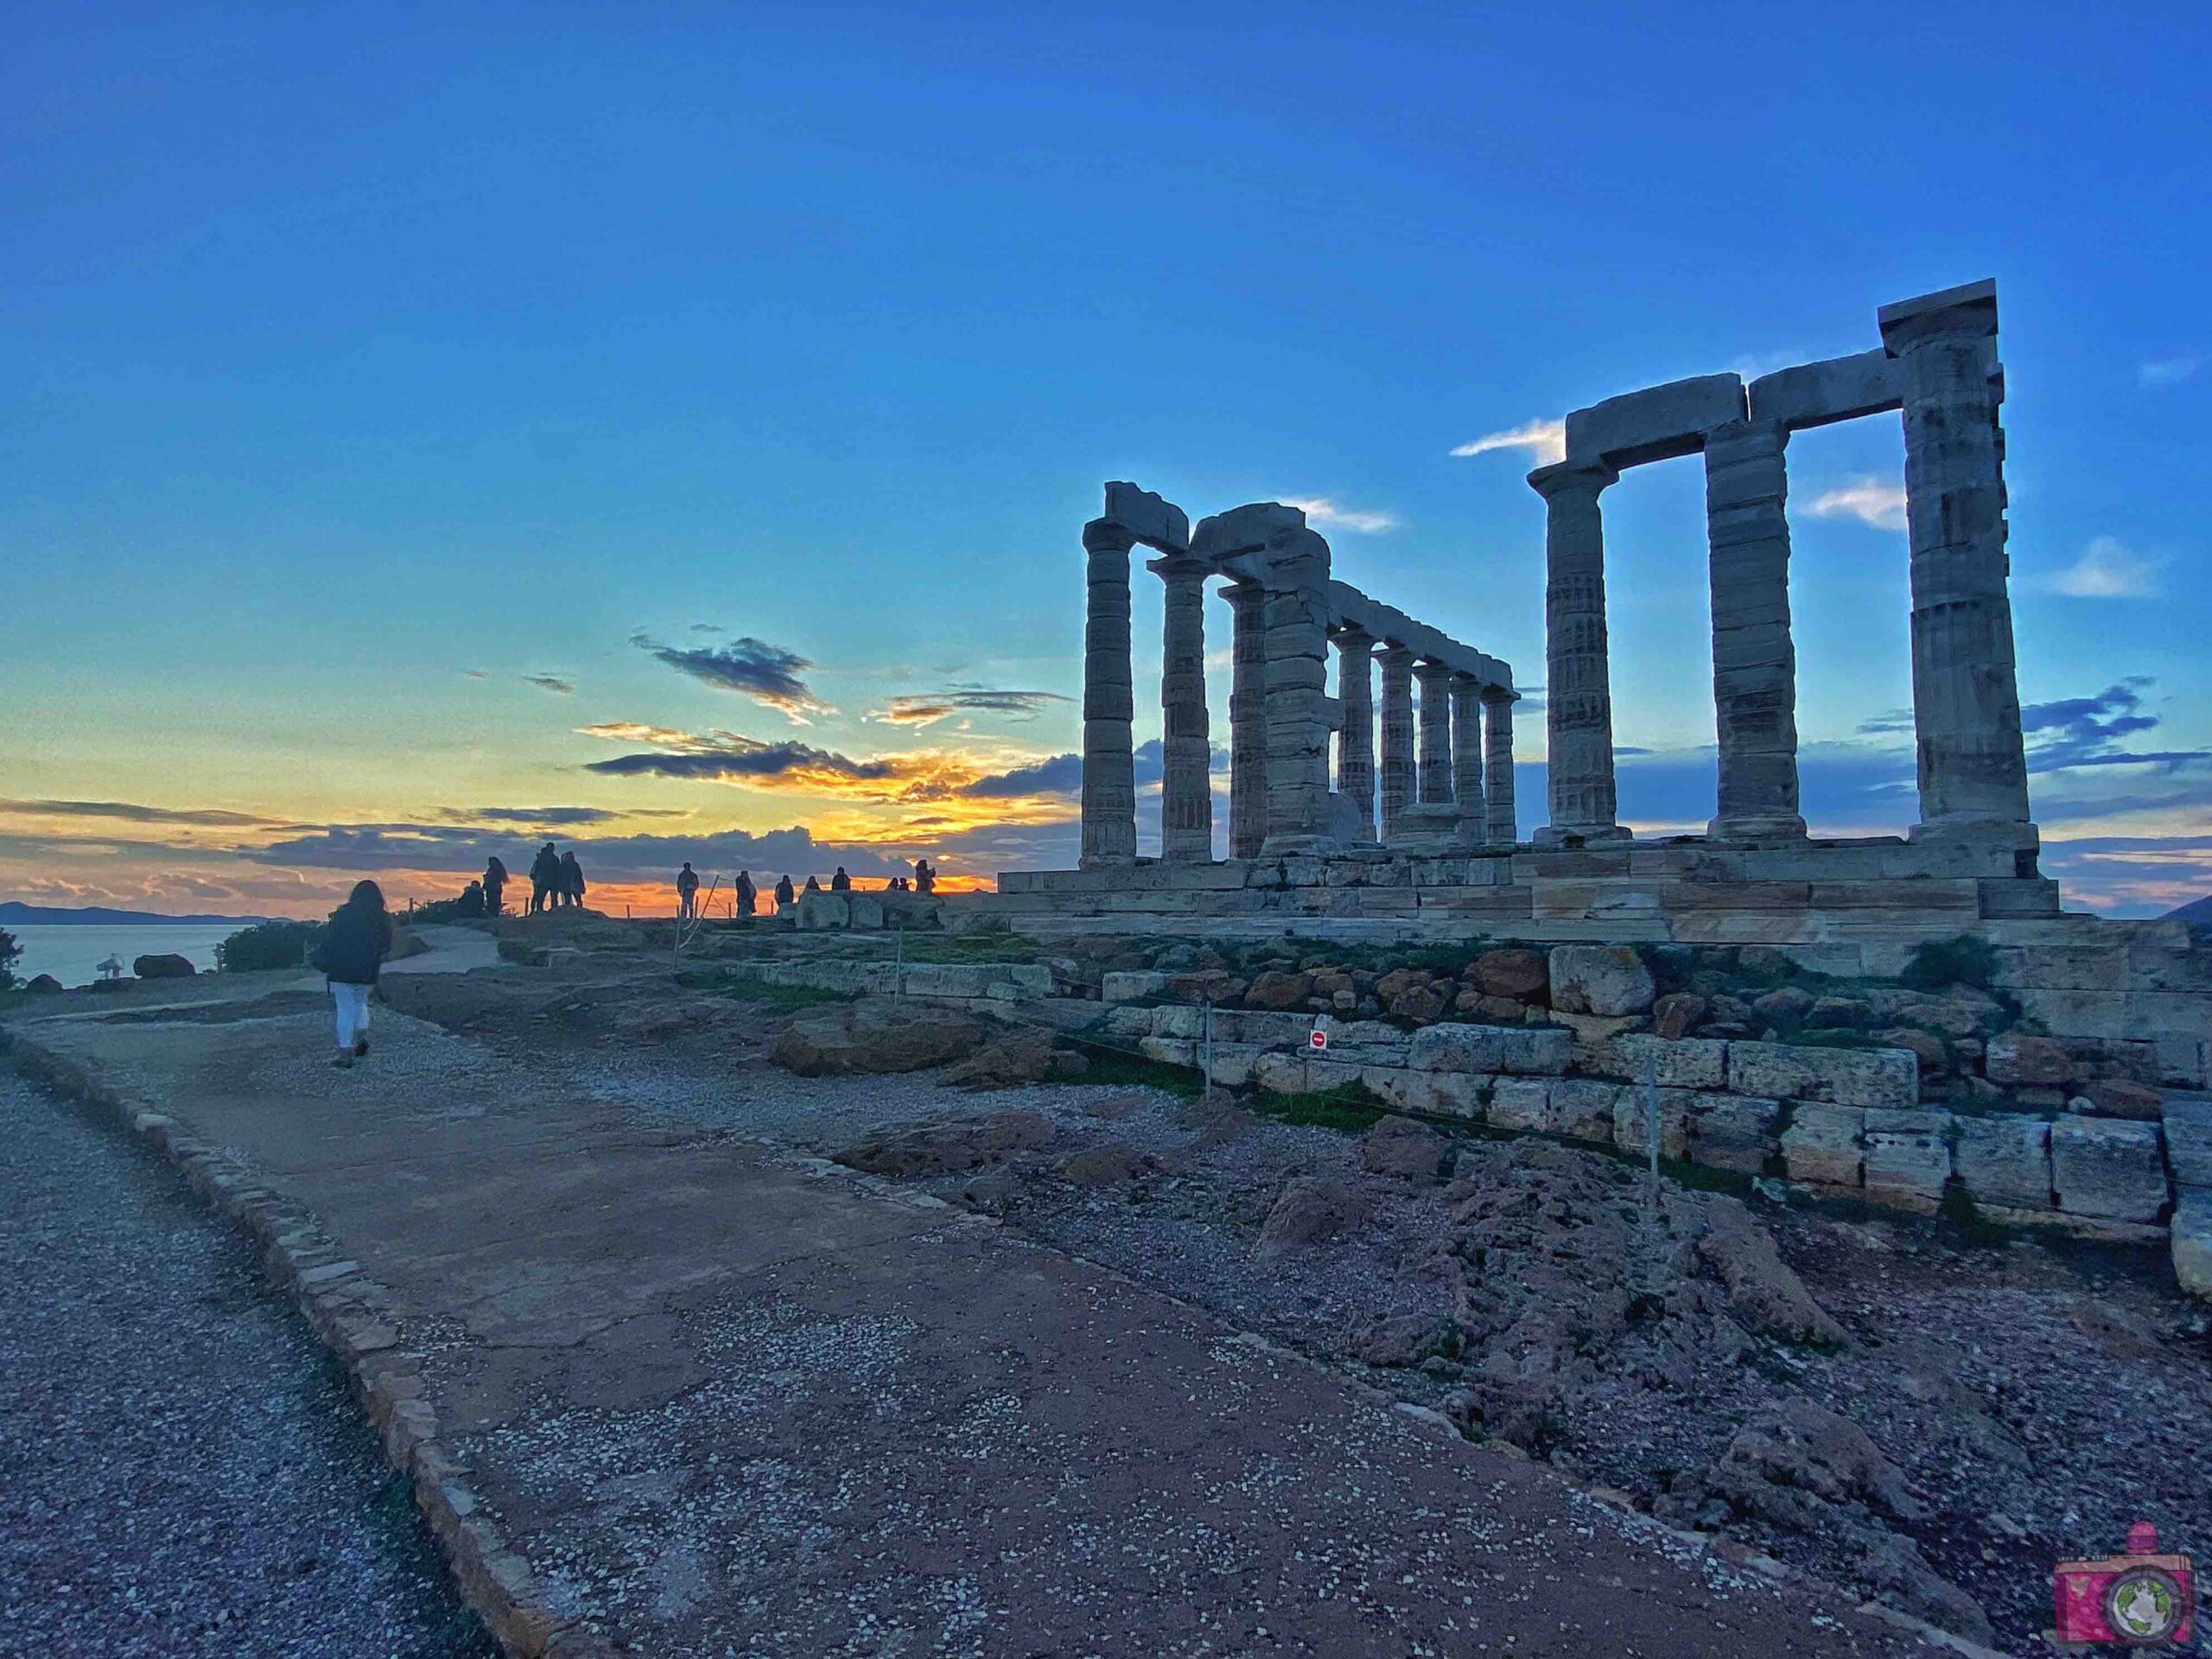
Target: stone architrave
1186,747
1578,696
1435,733
1356,741
1965,696
1248,723
1467,757
1397,738
1299,712
1110,795
1500,828
1754,660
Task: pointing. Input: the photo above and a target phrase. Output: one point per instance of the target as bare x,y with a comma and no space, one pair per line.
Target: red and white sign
1320,1039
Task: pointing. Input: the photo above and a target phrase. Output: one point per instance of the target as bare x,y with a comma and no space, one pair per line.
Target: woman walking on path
355,942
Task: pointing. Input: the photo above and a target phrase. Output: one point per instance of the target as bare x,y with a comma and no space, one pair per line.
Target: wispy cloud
475,673
2169,371
924,708
553,683
1544,440
132,812
770,675
1871,500
2109,569
1324,511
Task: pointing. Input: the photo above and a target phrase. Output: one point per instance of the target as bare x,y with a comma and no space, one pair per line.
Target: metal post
1206,1093
1651,1117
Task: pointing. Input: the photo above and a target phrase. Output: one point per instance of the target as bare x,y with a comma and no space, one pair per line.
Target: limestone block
1630,1113
1131,988
1606,980
1582,1108
866,910
1885,1077
1178,1020
2192,1242
1838,388
947,979
2018,1057
2189,1141
1732,1131
1298,1074
819,912
1168,1051
1521,1049
1908,1157
1445,1094
1259,1026
1233,1063
1680,1063
2107,1167
1519,1103
1156,523
1655,424
1822,1145
1127,1022
2183,1062
2004,1160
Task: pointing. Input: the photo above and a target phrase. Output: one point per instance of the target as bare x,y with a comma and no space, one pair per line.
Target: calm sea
73,954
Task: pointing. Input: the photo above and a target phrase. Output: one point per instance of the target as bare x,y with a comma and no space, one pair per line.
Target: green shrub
1940,963
267,945
10,953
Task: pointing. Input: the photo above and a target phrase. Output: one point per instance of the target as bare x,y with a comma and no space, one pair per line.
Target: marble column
1355,742
1186,744
1497,770
1966,699
1300,711
1397,738
1754,660
1247,722
1578,691
1467,757
1109,794
1435,733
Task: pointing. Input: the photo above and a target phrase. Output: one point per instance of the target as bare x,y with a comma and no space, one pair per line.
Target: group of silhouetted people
687,888
556,881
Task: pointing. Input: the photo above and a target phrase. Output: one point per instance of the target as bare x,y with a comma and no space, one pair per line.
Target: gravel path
181,1473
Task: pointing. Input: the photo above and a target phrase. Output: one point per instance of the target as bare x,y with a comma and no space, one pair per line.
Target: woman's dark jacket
354,945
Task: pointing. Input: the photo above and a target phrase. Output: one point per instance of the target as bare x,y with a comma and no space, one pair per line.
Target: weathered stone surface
1836,388
2005,1160
1581,1109
2118,1097
1398,1146
1519,1103
1521,974
2020,1057
946,1146
2107,1168
1763,1290
166,965
1148,517
1885,1077
1307,1212
1630,1113
2189,1141
1527,1050
1690,1063
1677,1014
1733,1132
43,984
1908,1157
1609,980
1444,1094
1421,1005
874,1035
2192,1242
1278,990
1116,1164
1131,987
1013,1056
1822,1145
1655,424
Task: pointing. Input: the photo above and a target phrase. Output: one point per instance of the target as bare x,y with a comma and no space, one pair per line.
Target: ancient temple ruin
1403,826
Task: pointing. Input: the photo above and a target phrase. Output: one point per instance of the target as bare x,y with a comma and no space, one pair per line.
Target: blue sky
348,353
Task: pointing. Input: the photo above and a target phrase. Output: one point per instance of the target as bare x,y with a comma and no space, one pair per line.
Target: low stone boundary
345,1308
994,982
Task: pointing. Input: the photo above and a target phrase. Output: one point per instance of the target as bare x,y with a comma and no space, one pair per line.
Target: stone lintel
1656,424
1350,608
1836,389
1244,530
1158,524
1969,308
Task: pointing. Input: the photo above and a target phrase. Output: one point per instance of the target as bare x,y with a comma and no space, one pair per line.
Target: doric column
1299,712
1754,661
1248,721
1966,698
1109,793
1355,742
1578,692
1186,747
1467,757
1497,773
1397,738
1435,733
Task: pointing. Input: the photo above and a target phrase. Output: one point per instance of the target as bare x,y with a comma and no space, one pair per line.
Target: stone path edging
344,1307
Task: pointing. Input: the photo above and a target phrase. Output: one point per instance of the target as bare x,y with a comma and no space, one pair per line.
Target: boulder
1423,1005
1763,1290
878,1034
2018,1057
1784,1002
1926,1048
2118,1097
2004,1160
1805,1448
2107,1168
1908,1159
1677,1014
1398,1146
1013,1056
1116,1164
1401,1340
1396,983
42,984
1838,1013
1521,976
1601,979
1307,1212
1279,991
1822,1145
2192,1242
166,965
943,1146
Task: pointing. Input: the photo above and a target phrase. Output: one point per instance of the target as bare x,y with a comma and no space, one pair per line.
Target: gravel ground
182,1473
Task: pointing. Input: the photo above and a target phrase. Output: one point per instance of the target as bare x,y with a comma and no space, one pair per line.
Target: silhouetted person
355,941
841,882
572,879
925,877
746,891
495,883
813,885
544,878
784,893
686,893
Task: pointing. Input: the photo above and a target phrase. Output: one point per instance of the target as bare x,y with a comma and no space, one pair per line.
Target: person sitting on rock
544,878
686,893
495,884
785,895
746,891
841,882
813,885
572,879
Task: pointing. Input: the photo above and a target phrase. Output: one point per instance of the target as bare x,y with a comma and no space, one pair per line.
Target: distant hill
2197,910
95,916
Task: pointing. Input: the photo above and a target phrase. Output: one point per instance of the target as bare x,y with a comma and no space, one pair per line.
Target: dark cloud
921,709
129,812
748,759
1060,775
553,816
553,683
361,847
2086,732
768,674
